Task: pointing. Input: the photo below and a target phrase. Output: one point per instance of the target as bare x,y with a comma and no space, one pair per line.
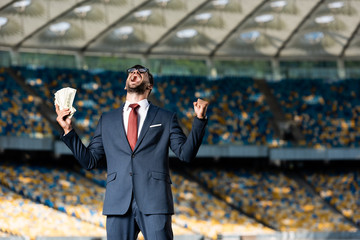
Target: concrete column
14,57
341,69
79,61
144,60
212,72
275,69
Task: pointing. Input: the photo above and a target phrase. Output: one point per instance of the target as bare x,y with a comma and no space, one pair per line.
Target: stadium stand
238,113
211,216
19,115
97,92
57,188
61,191
326,112
280,158
38,191
242,116
339,188
198,210
23,217
274,198
68,192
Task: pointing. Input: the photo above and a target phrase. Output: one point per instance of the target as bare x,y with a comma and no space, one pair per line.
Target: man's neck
134,97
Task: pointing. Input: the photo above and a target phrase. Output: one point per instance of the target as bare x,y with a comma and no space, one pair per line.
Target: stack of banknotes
64,98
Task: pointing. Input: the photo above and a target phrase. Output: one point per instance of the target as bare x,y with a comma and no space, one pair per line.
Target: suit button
133,155
130,173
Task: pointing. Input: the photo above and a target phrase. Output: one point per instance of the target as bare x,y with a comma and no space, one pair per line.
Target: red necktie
132,131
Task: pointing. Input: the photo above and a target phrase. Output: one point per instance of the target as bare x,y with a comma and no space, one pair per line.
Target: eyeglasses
141,70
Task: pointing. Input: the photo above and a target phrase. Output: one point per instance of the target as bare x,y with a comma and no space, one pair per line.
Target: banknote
64,98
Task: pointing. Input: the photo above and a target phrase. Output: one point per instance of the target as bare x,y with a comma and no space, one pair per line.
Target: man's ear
149,87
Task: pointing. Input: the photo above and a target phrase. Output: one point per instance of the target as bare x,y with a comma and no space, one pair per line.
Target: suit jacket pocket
161,176
111,177
155,133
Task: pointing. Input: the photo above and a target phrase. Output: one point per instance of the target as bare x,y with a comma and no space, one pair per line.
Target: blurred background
281,155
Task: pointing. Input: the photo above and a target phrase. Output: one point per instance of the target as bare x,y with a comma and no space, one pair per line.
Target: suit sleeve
186,148
89,157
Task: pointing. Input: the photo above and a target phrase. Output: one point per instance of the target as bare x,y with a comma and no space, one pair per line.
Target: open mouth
135,77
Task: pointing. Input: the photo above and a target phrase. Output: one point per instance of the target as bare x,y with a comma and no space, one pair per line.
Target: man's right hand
63,119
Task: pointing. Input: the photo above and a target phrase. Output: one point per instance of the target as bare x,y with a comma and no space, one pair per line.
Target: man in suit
135,140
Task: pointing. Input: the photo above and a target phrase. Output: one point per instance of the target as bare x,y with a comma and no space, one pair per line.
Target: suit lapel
120,124
148,120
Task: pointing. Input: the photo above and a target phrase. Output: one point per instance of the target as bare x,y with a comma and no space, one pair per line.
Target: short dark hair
151,77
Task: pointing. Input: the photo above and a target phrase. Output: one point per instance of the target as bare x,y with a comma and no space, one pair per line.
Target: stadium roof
237,29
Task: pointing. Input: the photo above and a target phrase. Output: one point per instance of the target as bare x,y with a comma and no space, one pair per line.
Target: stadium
281,154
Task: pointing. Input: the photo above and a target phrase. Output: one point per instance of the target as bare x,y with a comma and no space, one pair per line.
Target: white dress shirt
142,112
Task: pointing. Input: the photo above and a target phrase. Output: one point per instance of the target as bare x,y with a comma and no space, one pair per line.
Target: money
64,98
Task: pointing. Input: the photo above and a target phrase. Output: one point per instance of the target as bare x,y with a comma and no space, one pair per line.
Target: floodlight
123,32
21,5
83,10
60,28
324,19
187,33
220,3
250,37
278,4
264,18
203,17
3,21
143,14
336,5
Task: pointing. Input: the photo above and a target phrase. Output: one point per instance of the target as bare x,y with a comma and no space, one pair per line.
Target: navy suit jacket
143,172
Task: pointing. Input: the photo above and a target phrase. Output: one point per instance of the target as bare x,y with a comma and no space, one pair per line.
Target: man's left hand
200,108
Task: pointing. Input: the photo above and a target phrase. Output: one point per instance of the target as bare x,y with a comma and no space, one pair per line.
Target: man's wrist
67,131
202,117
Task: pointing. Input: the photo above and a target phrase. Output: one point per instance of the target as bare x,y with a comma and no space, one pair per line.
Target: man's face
137,81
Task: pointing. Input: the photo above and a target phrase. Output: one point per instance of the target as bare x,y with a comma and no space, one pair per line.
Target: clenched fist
200,108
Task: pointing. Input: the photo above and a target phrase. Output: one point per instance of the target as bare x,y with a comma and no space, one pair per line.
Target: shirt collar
143,104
